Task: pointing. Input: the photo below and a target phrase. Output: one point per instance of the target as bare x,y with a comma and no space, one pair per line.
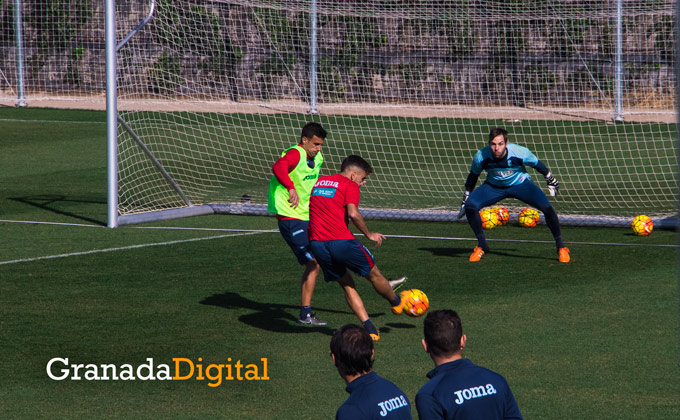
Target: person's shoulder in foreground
371,396
459,389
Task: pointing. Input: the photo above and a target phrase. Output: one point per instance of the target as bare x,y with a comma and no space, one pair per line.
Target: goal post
208,93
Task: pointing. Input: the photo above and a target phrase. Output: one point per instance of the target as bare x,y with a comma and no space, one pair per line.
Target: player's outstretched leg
397,283
307,284
475,222
532,195
384,289
553,223
357,305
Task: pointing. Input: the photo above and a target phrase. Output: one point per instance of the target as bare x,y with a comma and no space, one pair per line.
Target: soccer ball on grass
503,215
642,225
489,218
415,302
528,217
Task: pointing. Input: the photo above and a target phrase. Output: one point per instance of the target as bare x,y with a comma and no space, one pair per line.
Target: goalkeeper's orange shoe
477,254
564,255
374,336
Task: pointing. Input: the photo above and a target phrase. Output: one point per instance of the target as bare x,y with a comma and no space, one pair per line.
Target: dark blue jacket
462,390
373,397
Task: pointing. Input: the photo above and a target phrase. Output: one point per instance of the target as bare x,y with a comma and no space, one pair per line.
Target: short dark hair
495,132
358,162
313,129
443,331
352,347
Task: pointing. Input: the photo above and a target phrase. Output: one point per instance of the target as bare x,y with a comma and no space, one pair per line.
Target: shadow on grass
448,252
399,325
267,316
44,202
465,253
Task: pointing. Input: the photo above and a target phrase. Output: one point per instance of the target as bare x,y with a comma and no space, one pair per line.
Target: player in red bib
333,203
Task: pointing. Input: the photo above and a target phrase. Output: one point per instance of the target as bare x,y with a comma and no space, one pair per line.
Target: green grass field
594,339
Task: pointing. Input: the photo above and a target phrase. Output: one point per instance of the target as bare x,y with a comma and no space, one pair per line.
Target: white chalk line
51,121
532,241
246,232
29,222
124,248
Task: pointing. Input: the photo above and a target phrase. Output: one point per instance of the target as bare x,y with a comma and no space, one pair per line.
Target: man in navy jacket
371,396
458,389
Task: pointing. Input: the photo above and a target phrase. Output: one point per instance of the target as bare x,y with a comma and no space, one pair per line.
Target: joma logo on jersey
312,176
474,392
327,183
392,404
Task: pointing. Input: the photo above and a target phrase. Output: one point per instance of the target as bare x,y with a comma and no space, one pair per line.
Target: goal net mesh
215,90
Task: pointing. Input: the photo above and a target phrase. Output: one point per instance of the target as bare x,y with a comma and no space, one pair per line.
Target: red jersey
327,216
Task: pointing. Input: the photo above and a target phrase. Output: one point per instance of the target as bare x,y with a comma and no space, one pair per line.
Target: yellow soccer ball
503,215
489,218
528,217
642,225
415,302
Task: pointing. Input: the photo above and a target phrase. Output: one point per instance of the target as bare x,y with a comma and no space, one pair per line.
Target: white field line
246,232
124,248
442,238
28,222
532,241
51,121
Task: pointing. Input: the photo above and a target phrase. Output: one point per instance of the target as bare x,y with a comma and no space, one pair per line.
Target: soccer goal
204,95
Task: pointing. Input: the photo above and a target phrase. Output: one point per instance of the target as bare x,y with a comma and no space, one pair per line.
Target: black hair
352,347
313,129
357,162
443,331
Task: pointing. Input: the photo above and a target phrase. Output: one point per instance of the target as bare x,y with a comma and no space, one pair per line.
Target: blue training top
507,171
462,390
374,397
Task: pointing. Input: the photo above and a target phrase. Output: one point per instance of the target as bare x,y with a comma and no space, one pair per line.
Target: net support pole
677,111
111,115
19,41
312,58
618,113
155,162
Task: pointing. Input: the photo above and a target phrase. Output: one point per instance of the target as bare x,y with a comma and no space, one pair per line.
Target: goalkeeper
294,175
505,164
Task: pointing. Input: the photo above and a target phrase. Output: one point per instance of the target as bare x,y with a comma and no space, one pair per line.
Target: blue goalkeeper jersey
505,172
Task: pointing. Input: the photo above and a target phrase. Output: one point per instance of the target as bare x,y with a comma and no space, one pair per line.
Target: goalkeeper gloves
553,185
466,194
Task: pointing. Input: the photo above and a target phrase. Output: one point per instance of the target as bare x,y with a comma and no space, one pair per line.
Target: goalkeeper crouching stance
505,164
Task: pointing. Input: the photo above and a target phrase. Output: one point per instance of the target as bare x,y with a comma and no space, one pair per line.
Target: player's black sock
396,301
304,311
476,224
370,327
481,242
553,223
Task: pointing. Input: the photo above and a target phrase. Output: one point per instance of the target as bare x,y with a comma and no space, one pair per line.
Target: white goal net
210,92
